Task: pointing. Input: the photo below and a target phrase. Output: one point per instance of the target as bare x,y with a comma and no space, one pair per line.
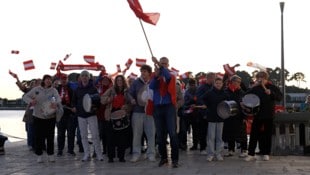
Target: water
12,125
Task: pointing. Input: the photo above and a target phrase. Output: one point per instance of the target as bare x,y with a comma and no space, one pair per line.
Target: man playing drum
261,131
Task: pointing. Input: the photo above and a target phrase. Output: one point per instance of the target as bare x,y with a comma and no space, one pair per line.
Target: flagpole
146,38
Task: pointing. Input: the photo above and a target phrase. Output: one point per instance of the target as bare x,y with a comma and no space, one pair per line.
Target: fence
291,135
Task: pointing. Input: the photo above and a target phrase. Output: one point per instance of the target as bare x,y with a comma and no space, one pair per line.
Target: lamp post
282,57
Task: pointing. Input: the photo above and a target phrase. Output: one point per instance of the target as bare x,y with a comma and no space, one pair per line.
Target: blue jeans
165,122
141,122
30,134
215,132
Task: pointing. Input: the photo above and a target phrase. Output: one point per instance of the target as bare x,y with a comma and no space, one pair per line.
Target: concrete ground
19,160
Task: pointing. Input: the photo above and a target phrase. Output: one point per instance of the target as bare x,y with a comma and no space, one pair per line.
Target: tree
298,76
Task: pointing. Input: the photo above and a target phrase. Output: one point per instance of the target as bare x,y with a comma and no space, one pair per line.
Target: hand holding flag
14,75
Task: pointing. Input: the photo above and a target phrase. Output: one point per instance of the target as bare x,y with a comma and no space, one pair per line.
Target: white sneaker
219,158
210,158
243,154
266,157
249,158
100,158
39,159
51,158
203,152
229,154
134,159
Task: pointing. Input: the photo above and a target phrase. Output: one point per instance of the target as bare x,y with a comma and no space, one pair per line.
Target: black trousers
44,130
261,132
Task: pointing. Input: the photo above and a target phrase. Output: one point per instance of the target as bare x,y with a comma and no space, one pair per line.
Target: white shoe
249,158
203,152
134,159
219,158
210,158
266,157
39,159
100,158
229,154
51,158
243,154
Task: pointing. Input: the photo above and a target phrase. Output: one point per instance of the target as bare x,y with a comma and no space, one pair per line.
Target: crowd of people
127,115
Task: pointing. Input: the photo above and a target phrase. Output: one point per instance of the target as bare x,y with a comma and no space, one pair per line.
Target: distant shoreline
12,108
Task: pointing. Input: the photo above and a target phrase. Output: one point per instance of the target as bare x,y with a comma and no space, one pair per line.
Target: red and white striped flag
89,58
133,75
14,51
140,62
174,71
219,75
229,70
118,67
184,75
128,63
150,18
13,74
53,65
28,65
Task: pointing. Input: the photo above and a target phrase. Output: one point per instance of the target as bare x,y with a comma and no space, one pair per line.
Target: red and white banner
53,65
89,58
140,62
28,65
68,67
15,52
150,18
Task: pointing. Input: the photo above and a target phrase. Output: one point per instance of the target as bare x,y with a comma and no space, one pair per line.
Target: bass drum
251,103
226,109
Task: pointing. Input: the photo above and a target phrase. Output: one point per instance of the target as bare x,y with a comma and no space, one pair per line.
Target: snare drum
251,103
47,109
226,109
120,120
90,101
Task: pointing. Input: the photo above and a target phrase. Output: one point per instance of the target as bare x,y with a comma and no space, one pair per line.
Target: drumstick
267,91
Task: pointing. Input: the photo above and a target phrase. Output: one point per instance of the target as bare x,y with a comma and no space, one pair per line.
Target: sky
196,35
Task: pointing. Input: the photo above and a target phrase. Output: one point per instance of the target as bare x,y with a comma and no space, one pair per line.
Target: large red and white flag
89,58
53,65
150,18
140,62
28,65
